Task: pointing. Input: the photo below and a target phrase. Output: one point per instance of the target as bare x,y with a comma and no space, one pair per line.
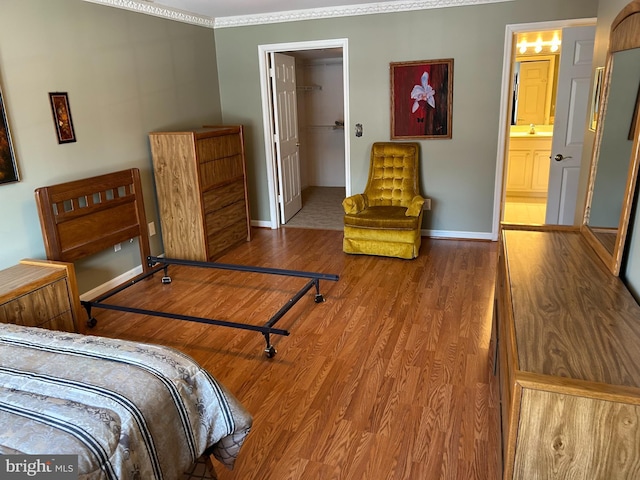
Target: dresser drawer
38,306
231,235
61,322
223,196
225,217
218,147
221,170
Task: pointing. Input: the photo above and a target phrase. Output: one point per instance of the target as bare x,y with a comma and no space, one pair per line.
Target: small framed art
62,117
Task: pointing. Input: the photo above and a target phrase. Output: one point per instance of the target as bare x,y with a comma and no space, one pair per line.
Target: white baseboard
260,223
425,233
458,235
126,276
113,283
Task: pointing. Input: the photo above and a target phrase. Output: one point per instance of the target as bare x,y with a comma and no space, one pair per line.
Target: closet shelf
325,127
308,88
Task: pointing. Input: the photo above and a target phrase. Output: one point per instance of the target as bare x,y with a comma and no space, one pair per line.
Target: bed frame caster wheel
270,351
319,298
166,279
92,322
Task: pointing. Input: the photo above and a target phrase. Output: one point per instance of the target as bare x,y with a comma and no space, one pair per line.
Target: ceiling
233,13
232,8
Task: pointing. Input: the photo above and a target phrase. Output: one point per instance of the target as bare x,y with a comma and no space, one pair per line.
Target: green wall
457,174
126,74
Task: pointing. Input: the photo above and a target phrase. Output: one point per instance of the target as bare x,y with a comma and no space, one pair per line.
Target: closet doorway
321,71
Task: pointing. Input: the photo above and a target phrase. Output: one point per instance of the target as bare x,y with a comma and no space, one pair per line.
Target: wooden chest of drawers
39,293
202,191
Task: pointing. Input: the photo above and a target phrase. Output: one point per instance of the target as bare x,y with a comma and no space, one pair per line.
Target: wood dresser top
572,318
20,279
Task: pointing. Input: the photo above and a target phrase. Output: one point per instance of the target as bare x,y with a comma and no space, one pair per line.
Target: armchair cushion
415,207
355,203
394,218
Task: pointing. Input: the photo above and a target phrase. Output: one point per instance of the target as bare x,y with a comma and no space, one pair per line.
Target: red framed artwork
421,99
8,168
62,117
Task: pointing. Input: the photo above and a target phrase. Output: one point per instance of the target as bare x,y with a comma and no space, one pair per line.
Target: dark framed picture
595,100
62,117
8,168
634,118
421,99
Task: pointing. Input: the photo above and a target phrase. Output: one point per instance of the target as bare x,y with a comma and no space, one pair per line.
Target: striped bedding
128,410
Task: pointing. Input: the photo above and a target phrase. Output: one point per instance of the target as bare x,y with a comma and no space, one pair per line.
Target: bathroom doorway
522,179
533,94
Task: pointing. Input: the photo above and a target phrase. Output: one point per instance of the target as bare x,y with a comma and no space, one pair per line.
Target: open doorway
533,173
532,114
321,136
322,139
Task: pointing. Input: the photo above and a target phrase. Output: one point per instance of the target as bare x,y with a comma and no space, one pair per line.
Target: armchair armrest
355,203
415,207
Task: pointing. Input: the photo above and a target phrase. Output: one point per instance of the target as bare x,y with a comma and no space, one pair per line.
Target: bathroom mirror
614,165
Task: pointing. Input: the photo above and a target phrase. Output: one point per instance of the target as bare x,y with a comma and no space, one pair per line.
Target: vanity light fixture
538,48
539,45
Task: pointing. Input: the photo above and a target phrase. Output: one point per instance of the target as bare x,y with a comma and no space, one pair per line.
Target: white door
532,92
286,132
574,81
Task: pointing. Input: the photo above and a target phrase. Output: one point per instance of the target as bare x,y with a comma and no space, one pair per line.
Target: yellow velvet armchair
386,218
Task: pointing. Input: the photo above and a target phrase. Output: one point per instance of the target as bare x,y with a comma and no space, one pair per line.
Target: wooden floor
390,378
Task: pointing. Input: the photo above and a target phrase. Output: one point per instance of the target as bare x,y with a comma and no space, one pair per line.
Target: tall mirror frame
609,241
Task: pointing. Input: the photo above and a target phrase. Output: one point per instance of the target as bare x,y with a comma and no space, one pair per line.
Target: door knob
559,157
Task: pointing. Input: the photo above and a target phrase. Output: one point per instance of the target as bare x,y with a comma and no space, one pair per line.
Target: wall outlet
152,229
427,204
117,247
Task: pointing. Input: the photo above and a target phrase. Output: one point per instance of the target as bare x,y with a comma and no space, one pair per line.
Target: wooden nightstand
40,293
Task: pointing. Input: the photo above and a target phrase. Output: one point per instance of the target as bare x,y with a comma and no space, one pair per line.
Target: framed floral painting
8,168
62,117
421,99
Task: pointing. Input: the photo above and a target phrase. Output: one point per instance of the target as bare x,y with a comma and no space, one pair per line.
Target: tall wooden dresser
201,185
569,360
40,293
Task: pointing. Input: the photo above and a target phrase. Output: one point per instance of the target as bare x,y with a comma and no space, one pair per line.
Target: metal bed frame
156,264
86,216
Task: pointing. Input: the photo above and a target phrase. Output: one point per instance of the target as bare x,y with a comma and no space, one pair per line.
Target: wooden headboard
83,217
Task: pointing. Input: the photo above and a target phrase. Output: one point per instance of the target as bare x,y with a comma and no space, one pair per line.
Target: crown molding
149,8
343,11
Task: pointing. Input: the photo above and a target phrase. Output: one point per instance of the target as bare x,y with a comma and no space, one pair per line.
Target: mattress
128,410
